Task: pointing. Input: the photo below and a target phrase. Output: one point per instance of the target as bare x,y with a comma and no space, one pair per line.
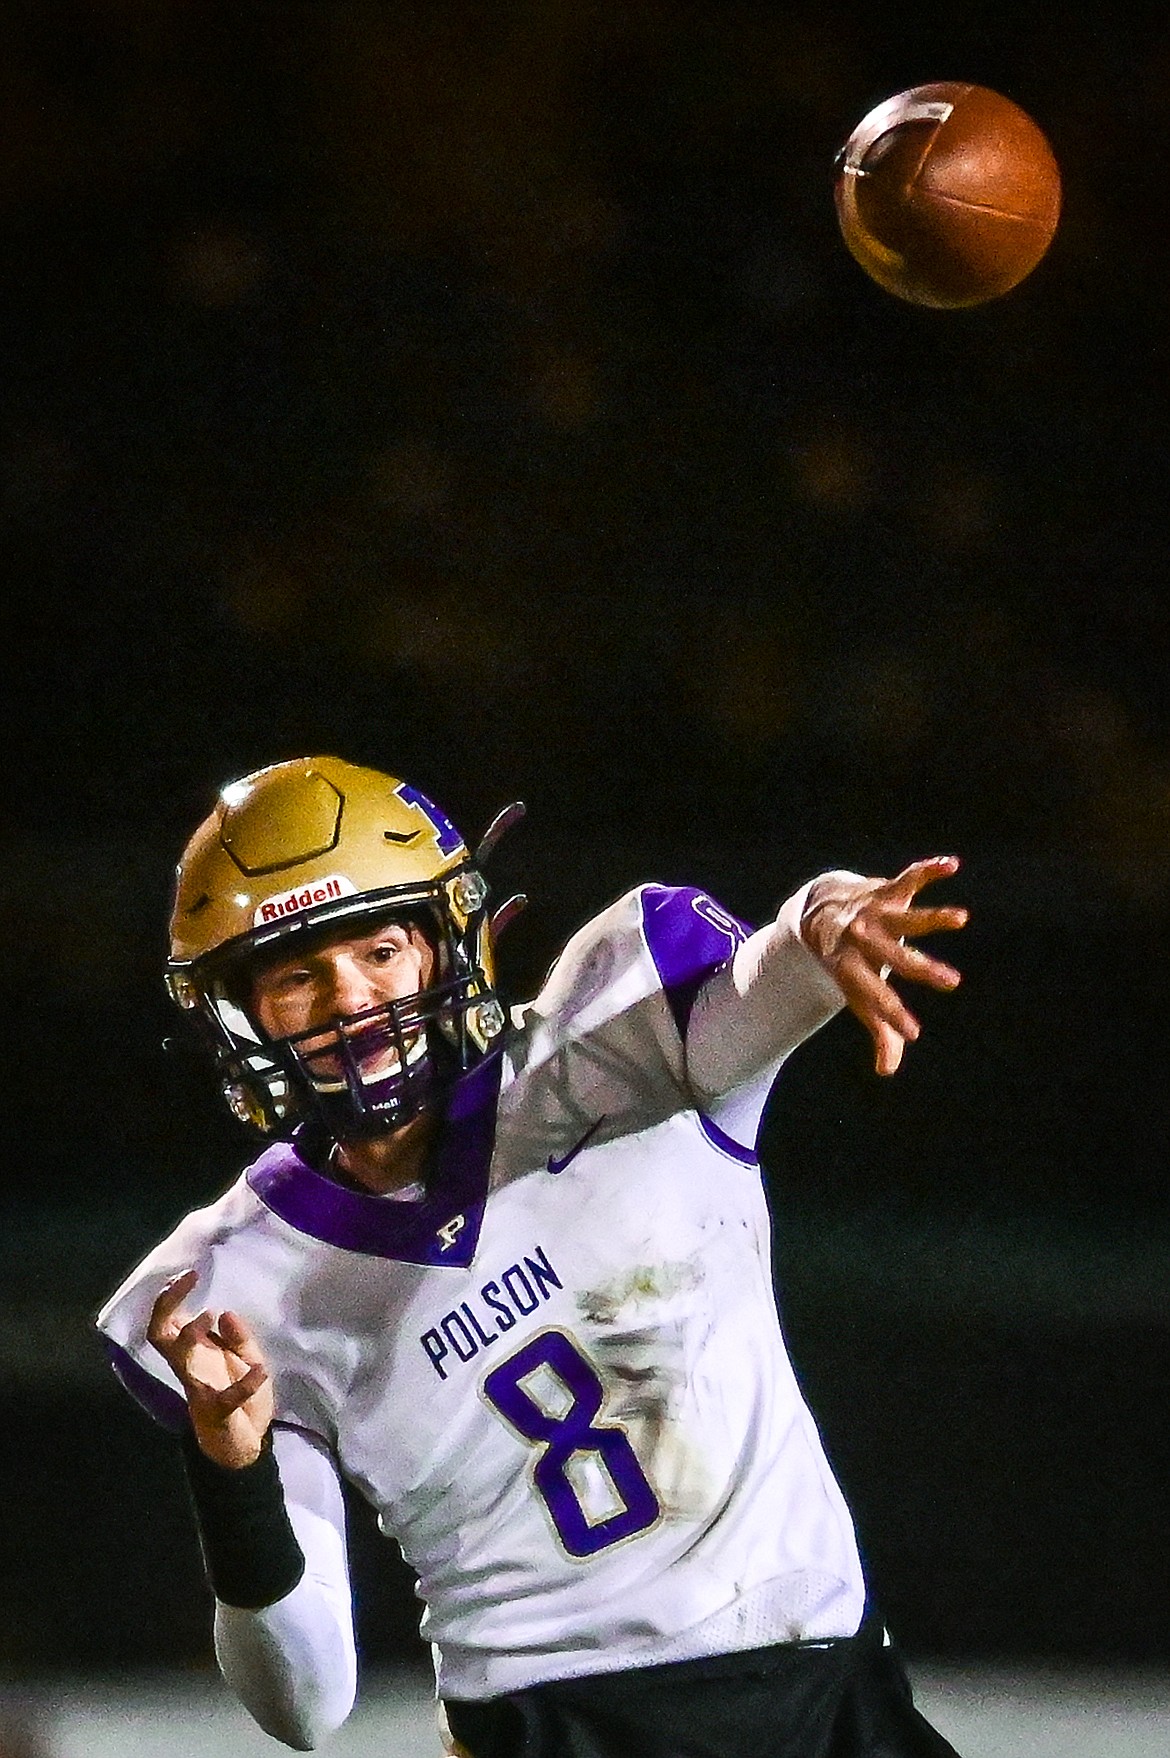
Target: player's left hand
859,930
220,1367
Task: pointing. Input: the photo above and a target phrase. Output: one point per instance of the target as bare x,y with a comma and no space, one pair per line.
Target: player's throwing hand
858,928
222,1372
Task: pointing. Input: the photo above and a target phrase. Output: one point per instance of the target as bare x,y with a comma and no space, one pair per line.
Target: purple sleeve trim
725,1144
167,1406
689,936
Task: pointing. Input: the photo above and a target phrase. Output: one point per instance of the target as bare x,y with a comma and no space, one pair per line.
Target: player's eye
384,951
290,981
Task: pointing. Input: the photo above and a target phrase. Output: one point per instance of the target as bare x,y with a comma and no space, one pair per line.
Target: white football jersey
559,1375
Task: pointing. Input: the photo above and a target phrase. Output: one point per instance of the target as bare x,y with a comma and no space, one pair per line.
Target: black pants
843,1699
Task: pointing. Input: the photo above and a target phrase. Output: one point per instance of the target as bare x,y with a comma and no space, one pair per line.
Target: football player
509,1275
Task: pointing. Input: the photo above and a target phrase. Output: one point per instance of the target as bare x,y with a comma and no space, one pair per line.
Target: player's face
337,978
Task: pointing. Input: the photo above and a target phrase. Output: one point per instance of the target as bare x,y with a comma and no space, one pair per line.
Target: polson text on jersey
464,1331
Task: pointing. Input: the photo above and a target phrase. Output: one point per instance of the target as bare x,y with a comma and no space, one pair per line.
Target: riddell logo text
303,897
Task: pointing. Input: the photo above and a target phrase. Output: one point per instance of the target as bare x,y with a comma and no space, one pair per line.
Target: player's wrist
250,1550
232,1455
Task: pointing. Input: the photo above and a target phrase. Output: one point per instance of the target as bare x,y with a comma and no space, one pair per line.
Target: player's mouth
375,1051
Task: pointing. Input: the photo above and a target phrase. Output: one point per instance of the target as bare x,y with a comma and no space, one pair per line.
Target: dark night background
484,392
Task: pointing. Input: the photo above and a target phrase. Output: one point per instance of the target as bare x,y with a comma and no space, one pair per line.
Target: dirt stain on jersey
642,1355
639,1286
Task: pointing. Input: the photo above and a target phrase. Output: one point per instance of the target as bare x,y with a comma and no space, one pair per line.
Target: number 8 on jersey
587,1474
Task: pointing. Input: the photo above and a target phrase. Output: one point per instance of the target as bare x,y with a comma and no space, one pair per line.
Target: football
947,194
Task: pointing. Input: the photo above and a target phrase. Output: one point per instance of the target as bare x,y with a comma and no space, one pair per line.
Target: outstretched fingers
870,997
915,921
889,920
885,944
218,1361
906,885
863,931
880,1009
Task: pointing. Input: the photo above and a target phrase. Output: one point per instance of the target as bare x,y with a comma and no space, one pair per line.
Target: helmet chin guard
347,1099
315,850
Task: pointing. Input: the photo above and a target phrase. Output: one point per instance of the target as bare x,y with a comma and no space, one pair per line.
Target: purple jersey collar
442,1228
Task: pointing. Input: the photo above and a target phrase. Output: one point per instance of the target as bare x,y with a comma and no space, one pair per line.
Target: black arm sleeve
250,1550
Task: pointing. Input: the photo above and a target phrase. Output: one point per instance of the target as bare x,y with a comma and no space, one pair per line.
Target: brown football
947,194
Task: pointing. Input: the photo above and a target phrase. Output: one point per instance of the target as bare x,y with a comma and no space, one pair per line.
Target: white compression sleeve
750,1016
293,1665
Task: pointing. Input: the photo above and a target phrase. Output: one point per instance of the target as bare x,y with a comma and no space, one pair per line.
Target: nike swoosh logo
556,1166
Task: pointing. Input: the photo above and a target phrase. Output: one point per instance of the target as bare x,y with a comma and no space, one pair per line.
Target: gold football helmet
313,849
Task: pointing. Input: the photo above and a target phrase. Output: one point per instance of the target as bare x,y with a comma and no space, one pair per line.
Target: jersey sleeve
604,1038
741,1001
122,1323
689,937
646,1012
750,1015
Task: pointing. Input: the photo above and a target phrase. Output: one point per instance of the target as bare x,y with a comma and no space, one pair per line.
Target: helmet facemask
371,1071
318,849
360,1074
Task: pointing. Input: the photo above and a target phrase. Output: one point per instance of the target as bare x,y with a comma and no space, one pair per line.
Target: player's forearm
292,1665
771,996
250,1550
277,1565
